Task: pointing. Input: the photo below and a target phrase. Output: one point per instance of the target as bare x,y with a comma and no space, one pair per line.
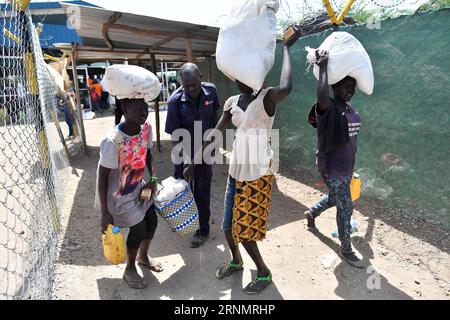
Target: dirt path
403,264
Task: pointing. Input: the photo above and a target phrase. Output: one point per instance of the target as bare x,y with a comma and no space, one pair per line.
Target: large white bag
132,82
247,41
347,57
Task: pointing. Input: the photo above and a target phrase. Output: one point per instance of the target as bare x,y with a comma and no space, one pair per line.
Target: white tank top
252,155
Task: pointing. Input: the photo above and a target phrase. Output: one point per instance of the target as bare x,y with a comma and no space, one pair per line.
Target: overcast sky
210,12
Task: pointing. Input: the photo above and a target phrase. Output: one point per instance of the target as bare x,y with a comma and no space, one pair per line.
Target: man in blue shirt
194,101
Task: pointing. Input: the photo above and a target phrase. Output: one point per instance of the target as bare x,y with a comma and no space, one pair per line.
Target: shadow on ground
361,284
373,209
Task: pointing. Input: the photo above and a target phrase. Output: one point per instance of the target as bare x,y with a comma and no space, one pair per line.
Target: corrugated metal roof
57,33
140,33
54,5
50,5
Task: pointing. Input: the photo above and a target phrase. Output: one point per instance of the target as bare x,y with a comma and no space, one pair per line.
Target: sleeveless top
252,155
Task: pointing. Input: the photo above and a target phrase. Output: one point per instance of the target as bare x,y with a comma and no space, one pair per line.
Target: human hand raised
321,57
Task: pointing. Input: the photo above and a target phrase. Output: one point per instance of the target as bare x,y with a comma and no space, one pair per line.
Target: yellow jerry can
114,245
355,187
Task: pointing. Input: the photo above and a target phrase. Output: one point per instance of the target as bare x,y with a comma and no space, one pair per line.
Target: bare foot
150,263
133,279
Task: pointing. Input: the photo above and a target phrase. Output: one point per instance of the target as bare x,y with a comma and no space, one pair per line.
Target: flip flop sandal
136,284
258,285
228,269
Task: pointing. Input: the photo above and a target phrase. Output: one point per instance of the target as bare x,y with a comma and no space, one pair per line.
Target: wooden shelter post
158,133
77,92
189,50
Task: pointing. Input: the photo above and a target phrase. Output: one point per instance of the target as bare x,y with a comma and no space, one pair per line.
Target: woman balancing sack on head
245,220
338,125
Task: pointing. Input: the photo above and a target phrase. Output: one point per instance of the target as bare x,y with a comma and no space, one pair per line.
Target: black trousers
143,230
201,187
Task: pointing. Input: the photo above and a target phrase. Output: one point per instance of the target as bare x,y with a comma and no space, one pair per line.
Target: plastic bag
354,228
169,190
346,57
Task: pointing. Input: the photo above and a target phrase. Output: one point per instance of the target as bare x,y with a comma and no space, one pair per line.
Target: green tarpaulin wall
403,146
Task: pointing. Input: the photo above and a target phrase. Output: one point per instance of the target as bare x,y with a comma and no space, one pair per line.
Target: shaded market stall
142,40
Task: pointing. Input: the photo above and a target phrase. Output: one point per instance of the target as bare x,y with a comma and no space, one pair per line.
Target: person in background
96,94
68,116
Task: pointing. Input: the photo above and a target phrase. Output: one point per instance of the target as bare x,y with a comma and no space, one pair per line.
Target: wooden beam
176,35
167,53
106,37
85,60
77,92
145,32
114,17
140,55
189,50
158,134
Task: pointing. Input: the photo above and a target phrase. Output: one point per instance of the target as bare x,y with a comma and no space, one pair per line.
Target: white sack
57,79
246,44
347,57
131,82
169,190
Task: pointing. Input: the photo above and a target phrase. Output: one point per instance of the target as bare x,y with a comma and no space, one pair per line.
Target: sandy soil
406,259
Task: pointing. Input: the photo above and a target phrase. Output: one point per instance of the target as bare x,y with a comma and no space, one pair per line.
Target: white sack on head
246,44
346,57
131,82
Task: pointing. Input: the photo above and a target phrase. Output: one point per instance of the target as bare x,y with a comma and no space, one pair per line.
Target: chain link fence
34,160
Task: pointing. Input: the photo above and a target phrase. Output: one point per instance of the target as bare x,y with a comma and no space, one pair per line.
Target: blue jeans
339,196
68,119
227,223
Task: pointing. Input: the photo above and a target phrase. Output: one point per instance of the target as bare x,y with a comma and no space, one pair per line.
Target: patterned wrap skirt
252,201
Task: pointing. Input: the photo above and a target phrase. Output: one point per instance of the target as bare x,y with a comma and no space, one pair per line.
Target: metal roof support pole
158,134
77,92
189,50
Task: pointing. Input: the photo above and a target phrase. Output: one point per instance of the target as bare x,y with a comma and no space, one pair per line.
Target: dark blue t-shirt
339,162
181,112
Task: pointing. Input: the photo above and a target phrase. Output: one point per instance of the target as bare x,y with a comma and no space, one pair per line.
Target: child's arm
149,164
103,191
281,91
323,96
